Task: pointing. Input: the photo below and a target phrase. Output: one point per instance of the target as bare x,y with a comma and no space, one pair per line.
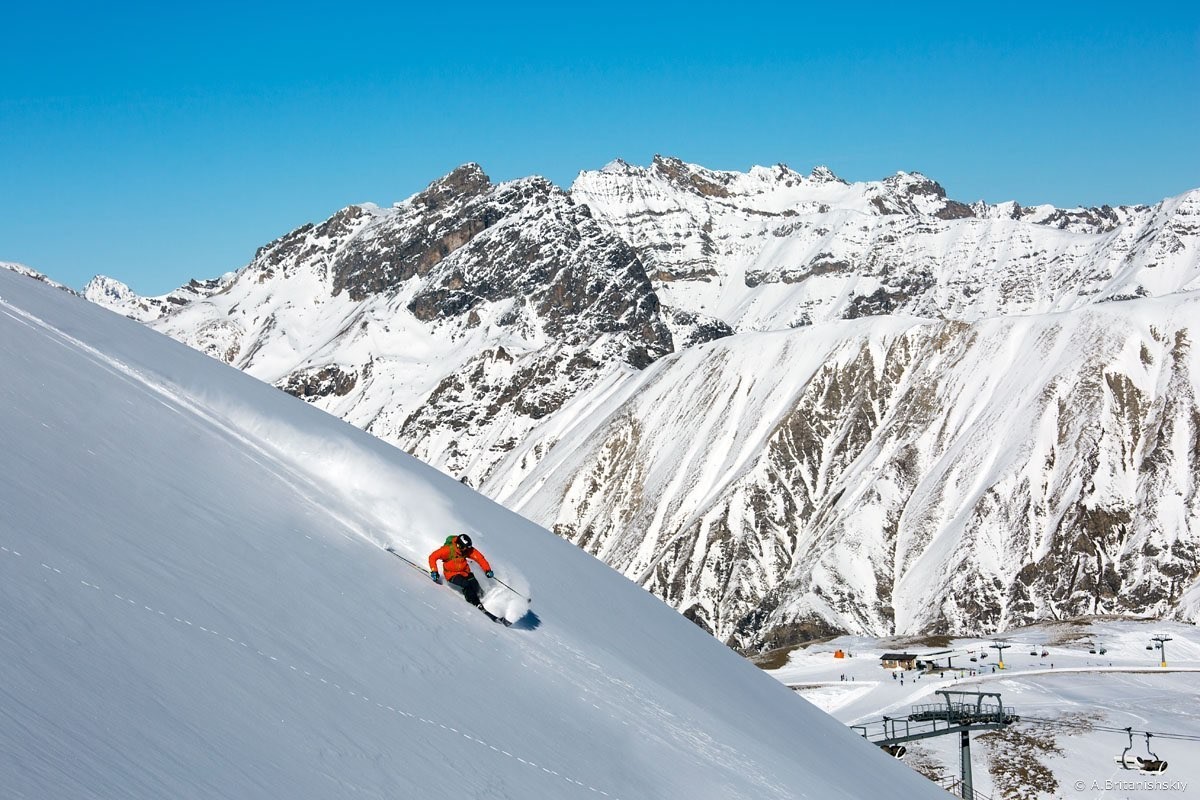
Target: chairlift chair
1128,760
1153,763
1045,653
1125,759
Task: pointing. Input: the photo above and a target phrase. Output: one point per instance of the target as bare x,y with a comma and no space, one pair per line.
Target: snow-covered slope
194,602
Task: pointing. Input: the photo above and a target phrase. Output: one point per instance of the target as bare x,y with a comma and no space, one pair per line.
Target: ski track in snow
288,476
268,458
303,484
299,670
259,451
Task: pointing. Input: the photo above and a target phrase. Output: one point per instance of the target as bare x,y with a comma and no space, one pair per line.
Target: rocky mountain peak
690,177
915,194
463,183
823,174
107,291
914,184
618,166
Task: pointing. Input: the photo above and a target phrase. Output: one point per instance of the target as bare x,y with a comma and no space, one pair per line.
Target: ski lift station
931,662
898,661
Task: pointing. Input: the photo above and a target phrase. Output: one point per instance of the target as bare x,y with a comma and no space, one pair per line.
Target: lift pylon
959,712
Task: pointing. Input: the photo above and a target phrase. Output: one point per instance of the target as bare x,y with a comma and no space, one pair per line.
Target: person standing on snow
453,555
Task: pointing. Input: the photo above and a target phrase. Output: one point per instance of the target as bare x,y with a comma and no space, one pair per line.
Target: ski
494,618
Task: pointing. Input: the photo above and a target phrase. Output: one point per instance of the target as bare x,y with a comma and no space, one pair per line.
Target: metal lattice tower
961,713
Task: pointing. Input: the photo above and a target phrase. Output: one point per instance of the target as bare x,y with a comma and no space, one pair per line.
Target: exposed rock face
919,477
451,324
320,382
788,405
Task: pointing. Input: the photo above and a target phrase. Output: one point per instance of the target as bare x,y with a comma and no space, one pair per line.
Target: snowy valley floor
1069,701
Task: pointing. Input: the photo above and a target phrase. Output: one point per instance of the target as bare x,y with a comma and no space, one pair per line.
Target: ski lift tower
999,647
1161,644
960,712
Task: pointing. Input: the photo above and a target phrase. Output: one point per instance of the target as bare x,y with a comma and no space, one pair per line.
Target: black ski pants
470,587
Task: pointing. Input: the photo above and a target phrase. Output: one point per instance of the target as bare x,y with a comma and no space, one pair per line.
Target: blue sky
156,144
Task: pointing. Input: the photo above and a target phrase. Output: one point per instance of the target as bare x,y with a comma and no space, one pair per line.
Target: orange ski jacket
454,560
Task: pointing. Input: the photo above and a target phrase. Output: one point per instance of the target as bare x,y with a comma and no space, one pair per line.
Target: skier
453,555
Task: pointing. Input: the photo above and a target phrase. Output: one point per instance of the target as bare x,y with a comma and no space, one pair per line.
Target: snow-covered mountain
453,323
788,405
195,602
773,249
899,475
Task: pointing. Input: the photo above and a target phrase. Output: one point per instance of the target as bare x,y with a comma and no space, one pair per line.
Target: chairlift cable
1186,737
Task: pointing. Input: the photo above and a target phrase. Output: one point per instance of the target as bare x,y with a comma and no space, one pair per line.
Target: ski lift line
1023,643
1025,673
939,707
1184,737
1109,728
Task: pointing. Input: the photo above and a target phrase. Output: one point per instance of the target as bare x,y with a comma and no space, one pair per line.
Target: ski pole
511,589
412,564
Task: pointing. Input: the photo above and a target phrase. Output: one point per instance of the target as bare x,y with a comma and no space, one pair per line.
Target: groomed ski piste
1095,678
195,602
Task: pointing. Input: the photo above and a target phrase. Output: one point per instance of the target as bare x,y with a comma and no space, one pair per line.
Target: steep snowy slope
194,603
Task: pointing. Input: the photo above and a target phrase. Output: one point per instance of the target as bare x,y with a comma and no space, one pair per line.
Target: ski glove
433,573
490,574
